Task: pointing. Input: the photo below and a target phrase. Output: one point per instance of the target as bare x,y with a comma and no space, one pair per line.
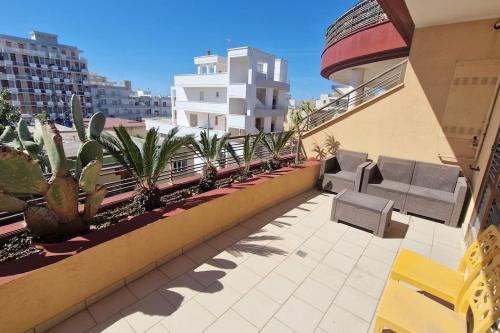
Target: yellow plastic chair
404,310
441,281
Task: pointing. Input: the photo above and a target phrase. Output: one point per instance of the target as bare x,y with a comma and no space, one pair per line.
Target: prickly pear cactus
21,176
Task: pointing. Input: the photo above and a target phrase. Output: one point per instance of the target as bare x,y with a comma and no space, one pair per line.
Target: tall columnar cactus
21,176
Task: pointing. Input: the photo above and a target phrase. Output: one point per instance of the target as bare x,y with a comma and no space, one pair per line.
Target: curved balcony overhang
363,35
375,43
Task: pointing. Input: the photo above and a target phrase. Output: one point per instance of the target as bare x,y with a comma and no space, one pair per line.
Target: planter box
71,275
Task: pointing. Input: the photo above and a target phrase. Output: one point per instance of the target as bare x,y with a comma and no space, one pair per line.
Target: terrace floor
288,269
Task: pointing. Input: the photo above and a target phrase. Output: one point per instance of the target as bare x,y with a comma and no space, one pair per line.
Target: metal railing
363,14
192,167
363,93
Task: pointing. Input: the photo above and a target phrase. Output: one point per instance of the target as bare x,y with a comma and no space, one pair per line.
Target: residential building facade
245,92
119,100
42,74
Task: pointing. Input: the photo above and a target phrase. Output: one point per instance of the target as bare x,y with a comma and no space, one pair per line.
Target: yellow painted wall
36,297
405,122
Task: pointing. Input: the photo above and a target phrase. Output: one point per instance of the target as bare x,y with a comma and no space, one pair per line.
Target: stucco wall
406,121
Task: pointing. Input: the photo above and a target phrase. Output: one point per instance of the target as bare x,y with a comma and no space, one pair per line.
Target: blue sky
149,42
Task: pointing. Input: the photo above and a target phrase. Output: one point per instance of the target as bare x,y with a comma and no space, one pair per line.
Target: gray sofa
437,191
432,190
389,178
343,171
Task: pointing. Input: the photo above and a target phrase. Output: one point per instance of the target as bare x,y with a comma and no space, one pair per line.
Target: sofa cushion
390,185
396,169
436,176
343,174
349,160
428,193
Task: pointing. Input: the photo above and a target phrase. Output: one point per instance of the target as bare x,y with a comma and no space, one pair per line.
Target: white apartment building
42,74
120,101
245,92
337,92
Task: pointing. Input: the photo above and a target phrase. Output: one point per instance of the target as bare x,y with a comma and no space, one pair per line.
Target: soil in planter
21,245
17,247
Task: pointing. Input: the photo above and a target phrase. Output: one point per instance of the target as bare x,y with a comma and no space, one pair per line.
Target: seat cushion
436,176
396,169
363,200
345,175
336,182
390,190
429,193
349,160
393,186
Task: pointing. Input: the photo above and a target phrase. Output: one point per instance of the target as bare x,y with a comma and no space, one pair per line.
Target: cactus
21,175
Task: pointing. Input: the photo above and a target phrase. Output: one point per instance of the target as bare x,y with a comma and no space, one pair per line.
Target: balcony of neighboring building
365,39
164,126
201,80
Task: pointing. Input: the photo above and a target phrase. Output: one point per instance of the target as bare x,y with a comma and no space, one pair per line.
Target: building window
217,94
202,95
179,166
193,120
216,121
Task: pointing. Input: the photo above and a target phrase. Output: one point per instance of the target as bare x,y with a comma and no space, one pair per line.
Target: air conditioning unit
8,62
54,67
68,92
48,91
65,68
50,103
56,79
13,90
32,65
44,66
16,103
59,92
46,79
39,103
11,77
66,80
35,78
38,91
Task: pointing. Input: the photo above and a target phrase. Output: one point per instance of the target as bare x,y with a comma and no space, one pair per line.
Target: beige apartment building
42,74
426,87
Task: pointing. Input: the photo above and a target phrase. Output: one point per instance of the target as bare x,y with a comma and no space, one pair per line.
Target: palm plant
209,150
298,120
250,146
275,143
145,159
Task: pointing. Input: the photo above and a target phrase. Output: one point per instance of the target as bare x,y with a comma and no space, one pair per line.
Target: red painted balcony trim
374,43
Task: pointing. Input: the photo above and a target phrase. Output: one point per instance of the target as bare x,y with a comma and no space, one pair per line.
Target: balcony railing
168,175
363,93
362,15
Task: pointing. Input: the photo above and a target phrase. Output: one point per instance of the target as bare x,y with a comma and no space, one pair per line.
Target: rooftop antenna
228,40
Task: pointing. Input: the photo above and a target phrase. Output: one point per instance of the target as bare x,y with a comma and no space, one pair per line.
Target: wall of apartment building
408,121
